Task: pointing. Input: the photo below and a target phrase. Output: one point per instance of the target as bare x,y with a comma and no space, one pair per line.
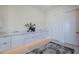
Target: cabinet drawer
4,44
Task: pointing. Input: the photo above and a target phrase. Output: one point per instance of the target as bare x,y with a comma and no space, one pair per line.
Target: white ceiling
45,7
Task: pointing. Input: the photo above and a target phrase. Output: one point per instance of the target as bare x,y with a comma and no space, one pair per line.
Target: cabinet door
4,43
56,27
29,37
17,41
26,38
70,27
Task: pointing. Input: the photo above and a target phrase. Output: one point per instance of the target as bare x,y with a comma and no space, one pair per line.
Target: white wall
19,15
15,17
61,24
3,18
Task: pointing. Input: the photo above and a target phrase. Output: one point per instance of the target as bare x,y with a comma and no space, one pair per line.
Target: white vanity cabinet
17,40
5,43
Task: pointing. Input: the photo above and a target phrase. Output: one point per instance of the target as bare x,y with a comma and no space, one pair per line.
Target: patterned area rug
52,48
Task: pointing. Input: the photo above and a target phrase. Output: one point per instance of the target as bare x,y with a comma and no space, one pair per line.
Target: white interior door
77,26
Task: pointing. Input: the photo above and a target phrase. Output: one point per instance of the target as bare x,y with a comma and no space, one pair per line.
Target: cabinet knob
77,32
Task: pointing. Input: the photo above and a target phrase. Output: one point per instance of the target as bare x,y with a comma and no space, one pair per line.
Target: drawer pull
5,43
